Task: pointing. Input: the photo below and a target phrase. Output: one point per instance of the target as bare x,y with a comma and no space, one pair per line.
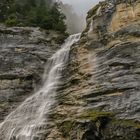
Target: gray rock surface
23,56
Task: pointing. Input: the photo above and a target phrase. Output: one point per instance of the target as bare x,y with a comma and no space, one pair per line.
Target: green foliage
32,13
11,21
95,115
126,123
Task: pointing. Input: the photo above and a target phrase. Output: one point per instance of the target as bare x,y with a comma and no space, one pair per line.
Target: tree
35,13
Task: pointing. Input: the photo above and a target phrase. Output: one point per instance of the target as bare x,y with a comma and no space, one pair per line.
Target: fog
76,12
81,6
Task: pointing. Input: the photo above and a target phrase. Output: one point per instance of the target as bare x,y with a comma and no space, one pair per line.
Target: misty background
76,12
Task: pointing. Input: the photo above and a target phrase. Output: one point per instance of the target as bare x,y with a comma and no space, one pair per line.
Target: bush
11,21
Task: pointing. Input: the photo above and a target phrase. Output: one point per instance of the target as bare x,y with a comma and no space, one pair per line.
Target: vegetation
126,123
36,13
95,115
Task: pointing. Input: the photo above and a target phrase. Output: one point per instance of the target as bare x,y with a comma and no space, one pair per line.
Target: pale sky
81,6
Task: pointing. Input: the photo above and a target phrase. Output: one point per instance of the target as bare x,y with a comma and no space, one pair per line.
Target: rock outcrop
23,54
99,99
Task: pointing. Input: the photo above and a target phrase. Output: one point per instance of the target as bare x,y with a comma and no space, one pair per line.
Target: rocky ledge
100,98
23,54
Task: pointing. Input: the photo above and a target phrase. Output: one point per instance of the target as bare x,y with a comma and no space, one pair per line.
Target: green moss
126,123
95,115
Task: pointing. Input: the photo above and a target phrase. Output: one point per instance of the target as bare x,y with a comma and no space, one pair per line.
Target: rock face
100,96
23,54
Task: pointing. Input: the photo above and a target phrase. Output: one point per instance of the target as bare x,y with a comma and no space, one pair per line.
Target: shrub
11,21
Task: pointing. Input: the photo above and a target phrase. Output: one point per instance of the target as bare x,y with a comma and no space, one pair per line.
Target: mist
81,6
76,12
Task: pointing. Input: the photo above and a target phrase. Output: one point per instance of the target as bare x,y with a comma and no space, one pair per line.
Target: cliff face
100,96
23,54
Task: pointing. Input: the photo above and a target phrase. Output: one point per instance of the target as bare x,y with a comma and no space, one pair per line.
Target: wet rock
102,77
24,52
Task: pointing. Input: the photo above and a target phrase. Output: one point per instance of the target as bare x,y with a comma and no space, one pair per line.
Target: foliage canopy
36,13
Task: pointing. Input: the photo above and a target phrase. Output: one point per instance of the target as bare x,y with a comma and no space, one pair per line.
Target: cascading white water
26,121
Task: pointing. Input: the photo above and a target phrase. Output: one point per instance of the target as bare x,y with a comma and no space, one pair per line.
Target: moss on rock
126,123
95,115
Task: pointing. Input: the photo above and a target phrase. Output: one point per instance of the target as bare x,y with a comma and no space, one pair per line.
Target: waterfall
28,119
91,27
